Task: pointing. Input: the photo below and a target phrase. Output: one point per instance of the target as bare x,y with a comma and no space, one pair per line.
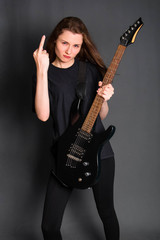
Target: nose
69,50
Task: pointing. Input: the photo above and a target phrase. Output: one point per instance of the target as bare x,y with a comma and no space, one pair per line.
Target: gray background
134,110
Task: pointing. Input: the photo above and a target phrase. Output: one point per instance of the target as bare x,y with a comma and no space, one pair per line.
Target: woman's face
68,45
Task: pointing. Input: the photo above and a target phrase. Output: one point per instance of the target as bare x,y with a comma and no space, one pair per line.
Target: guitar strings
78,148
109,75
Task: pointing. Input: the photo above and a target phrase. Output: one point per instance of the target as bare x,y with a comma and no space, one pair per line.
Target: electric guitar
78,149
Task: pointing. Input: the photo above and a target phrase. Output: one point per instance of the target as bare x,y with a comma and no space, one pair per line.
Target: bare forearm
41,59
41,97
104,110
106,92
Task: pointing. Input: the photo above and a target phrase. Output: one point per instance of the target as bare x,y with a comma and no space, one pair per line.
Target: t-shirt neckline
63,69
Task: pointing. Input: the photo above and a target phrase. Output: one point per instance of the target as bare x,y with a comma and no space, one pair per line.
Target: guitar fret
98,101
114,65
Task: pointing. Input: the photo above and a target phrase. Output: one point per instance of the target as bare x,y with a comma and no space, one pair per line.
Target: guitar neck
98,101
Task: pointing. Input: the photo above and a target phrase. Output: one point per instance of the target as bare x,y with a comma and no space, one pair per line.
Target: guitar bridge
75,155
78,148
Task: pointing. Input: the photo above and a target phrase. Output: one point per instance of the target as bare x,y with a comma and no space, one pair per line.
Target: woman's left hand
105,91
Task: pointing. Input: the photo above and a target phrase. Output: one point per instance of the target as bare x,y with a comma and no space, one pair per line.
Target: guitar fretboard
98,101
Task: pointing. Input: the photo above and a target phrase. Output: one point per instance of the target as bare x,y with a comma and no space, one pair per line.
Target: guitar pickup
74,158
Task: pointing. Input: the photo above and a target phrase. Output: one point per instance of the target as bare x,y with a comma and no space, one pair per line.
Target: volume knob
87,174
85,164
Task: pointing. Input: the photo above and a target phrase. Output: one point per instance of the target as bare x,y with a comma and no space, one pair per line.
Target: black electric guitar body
78,149
77,156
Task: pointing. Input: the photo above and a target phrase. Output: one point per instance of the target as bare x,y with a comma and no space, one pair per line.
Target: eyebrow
68,42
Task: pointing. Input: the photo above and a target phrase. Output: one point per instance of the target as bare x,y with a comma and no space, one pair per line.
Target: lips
68,57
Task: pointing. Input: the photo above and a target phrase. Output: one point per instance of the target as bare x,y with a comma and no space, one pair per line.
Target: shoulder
92,68
51,71
93,72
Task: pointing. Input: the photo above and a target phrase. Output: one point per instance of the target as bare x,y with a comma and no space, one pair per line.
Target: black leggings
58,195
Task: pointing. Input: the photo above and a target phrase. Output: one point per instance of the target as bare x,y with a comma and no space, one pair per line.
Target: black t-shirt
62,84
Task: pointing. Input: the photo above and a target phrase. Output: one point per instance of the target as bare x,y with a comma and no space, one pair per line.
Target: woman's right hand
41,57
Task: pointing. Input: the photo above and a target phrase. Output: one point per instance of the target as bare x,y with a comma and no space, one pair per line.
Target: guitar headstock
129,36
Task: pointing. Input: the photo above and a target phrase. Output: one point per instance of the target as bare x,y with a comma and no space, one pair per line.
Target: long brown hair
88,50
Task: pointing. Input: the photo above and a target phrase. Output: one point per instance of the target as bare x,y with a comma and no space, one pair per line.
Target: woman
55,92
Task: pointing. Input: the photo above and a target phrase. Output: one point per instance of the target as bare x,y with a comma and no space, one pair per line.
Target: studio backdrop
134,110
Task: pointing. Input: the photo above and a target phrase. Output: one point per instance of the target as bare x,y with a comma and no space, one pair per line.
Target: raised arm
106,92
41,58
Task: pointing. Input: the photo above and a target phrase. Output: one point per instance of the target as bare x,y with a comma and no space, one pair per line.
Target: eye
64,43
76,46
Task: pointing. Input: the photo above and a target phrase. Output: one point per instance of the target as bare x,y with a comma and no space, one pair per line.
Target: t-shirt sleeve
99,76
93,77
